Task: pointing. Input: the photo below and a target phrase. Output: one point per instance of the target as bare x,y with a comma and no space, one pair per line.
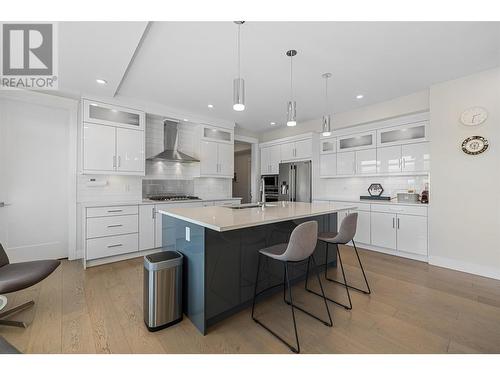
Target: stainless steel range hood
170,139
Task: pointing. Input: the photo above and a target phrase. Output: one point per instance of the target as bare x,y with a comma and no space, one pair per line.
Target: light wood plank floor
414,308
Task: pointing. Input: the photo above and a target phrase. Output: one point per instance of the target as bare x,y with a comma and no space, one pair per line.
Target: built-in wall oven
269,188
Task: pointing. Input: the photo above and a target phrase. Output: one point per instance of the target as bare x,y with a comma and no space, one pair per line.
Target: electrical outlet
188,234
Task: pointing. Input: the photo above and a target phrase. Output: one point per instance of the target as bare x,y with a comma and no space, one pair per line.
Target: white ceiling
187,65
91,50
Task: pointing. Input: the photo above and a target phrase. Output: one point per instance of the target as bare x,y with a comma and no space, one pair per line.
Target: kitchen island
220,247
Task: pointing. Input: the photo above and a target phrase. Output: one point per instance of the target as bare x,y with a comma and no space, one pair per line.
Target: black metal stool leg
345,282
321,287
255,288
287,273
363,271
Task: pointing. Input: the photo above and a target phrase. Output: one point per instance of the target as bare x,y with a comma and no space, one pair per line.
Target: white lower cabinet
110,246
383,226
412,234
397,229
147,227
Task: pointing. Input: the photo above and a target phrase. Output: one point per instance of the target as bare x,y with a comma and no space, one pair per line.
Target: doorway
242,181
37,176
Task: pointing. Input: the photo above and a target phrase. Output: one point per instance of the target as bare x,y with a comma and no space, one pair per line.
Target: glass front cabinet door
108,114
403,134
354,142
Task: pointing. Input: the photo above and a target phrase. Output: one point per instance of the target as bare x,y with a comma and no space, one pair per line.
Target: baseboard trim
474,269
397,253
117,258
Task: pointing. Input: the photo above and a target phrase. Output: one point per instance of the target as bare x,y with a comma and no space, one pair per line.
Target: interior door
129,150
34,180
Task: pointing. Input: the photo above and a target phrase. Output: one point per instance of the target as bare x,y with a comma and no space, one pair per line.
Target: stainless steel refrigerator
295,182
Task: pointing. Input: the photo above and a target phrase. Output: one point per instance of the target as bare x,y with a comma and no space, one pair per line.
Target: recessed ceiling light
210,106
360,96
186,119
101,81
272,123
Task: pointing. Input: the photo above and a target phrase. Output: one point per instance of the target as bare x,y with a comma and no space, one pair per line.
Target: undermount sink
251,205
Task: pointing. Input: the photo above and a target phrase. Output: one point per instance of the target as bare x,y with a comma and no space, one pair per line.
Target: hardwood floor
414,308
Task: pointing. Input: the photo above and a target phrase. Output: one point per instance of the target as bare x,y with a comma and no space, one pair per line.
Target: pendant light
239,83
326,123
291,107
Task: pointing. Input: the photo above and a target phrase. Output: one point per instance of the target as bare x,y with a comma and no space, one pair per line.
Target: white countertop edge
264,222
367,201
148,202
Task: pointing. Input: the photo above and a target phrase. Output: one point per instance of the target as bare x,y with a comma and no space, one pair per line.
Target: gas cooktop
172,198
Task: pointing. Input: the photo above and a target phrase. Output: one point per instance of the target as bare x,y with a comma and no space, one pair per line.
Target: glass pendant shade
239,94
326,126
291,113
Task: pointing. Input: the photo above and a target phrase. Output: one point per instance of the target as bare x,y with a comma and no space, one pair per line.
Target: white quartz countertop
372,201
225,218
149,201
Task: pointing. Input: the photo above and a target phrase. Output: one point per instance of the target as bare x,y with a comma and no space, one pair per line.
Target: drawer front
359,206
112,225
112,211
109,246
400,209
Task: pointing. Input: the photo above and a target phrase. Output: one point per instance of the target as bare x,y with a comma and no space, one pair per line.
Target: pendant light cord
291,77
326,94
239,58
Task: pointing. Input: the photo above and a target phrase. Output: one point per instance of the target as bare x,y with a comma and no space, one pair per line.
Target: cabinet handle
398,222
115,225
393,223
116,245
119,161
153,213
404,163
115,210
114,161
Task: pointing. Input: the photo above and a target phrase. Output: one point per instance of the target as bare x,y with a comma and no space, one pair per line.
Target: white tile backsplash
212,188
118,188
353,187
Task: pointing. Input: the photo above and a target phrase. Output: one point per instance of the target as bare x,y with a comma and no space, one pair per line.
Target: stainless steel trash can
162,289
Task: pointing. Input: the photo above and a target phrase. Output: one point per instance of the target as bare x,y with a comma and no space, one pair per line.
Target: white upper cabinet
287,151
366,161
226,159
209,160
303,149
346,163
212,133
415,157
99,148
328,145
217,159
328,165
129,150
296,150
112,139
402,134
108,114
217,152
270,158
360,141
389,159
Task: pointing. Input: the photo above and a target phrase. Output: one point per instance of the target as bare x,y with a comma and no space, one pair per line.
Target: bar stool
344,236
299,249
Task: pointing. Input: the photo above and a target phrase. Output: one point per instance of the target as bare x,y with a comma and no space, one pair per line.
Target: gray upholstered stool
345,235
18,276
299,249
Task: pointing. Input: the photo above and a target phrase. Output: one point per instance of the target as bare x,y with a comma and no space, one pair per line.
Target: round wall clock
474,145
474,116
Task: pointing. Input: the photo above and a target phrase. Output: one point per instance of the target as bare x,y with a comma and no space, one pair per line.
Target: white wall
413,103
464,213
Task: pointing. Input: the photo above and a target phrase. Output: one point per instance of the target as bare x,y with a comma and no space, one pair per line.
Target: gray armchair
18,276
